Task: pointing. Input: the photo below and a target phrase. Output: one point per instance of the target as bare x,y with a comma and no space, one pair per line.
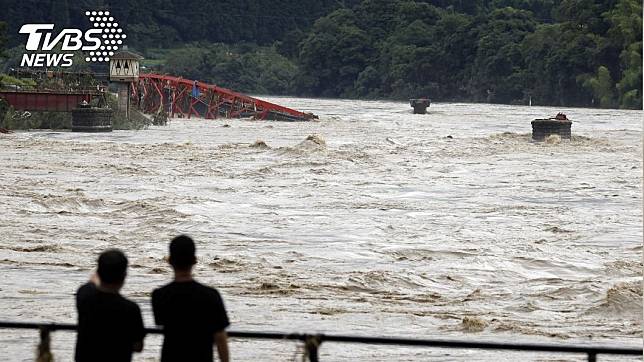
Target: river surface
381,225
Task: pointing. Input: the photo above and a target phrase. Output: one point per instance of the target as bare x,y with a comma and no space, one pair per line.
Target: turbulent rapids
370,222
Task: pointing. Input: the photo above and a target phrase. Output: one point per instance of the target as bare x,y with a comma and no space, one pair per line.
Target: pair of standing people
193,316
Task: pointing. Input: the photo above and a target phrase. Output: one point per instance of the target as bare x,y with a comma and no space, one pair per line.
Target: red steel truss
180,97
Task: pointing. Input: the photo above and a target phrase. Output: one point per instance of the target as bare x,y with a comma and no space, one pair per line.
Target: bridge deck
47,100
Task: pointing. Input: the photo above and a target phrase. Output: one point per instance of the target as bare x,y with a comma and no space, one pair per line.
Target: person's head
112,267
182,253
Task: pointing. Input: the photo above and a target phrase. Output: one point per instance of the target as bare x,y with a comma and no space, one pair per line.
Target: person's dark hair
182,252
112,266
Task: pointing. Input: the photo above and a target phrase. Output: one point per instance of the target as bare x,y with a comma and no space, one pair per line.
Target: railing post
44,354
312,344
592,357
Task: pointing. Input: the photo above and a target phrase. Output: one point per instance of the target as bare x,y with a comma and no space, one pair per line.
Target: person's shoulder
86,289
162,290
200,286
208,290
129,304
89,286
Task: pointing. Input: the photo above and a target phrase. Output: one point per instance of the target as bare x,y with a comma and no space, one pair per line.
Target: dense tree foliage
569,52
3,38
3,104
244,67
554,52
164,23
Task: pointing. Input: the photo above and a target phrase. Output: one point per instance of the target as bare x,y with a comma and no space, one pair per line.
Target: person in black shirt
110,327
192,315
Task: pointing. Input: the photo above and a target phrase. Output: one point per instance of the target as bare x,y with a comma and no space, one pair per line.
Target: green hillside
563,53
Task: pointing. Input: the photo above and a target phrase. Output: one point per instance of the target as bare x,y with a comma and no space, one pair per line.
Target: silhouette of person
110,327
193,315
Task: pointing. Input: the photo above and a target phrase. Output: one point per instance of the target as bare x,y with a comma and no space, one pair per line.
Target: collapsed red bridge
178,97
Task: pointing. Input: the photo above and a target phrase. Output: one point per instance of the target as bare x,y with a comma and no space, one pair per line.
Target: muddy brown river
380,225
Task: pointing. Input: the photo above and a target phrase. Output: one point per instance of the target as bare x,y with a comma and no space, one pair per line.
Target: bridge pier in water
420,105
92,119
123,94
559,125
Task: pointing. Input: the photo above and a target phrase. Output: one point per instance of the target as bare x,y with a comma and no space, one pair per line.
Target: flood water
379,226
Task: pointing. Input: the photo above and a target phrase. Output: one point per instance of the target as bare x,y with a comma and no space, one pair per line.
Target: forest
584,53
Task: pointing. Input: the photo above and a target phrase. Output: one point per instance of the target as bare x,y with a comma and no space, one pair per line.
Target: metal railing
312,342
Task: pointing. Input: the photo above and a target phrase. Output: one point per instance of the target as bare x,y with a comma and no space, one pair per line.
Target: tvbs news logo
99,42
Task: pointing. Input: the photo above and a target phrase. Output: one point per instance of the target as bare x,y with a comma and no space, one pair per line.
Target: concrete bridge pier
420,105
123,92
559,125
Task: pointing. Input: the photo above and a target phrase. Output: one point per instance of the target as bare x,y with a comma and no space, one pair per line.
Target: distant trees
3,104
334,54
555,52
244,67
625,35
568,52
3,29
169,23
3,38
499,66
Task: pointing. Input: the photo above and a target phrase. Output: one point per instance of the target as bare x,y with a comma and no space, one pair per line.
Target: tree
408,56
368,82
630,85
245,67
625,33
497,75
3,38
409,11
60,13
542,9
584,15
3,104
559,59
334,53
602,87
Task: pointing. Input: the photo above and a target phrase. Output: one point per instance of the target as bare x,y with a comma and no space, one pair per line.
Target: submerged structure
559,125
91,119
420,105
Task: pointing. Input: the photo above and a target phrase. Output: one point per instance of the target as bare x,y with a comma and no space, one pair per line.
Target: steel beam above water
48,101
180,97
